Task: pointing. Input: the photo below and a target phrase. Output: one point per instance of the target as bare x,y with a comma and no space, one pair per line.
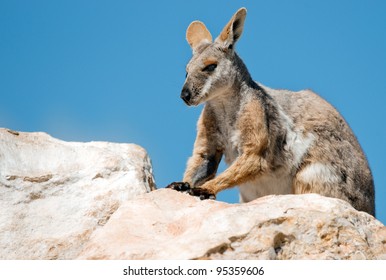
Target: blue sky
113,70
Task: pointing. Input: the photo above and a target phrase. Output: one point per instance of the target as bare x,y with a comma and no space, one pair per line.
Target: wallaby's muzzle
186,95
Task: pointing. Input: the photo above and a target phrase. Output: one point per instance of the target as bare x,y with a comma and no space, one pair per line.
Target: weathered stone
54,194
66,200
166,224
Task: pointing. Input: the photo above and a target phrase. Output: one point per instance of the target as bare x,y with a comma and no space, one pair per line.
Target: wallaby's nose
186,95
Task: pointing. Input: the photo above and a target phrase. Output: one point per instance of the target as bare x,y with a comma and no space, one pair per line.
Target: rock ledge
169,225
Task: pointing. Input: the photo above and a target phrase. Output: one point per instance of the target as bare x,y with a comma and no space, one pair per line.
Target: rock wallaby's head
212,69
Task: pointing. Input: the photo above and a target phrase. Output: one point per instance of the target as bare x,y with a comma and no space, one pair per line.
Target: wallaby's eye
186,75
210,67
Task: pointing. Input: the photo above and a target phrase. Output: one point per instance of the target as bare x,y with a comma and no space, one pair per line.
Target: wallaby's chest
231,146
229,135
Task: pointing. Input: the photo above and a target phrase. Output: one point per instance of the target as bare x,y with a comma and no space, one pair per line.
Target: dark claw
185,187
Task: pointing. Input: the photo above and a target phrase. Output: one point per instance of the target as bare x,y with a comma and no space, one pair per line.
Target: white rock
166,224
54,194
63,200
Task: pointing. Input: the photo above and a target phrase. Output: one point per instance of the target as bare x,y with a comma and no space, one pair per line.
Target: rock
165,224
67,200
54,194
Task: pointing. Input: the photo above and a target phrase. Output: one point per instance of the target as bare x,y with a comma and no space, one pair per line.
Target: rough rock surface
54,194
165,224
67,200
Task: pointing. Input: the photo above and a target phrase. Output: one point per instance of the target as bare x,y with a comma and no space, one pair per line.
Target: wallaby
274,141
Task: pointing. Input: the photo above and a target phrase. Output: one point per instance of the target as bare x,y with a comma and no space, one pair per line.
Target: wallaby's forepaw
186,188
202,193
179,186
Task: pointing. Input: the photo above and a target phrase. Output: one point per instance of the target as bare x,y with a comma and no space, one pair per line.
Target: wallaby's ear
233,30
197,33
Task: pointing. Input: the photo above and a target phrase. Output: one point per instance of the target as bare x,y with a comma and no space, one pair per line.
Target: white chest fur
232,149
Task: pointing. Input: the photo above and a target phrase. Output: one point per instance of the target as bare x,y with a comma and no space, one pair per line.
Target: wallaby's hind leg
316,178
327,180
